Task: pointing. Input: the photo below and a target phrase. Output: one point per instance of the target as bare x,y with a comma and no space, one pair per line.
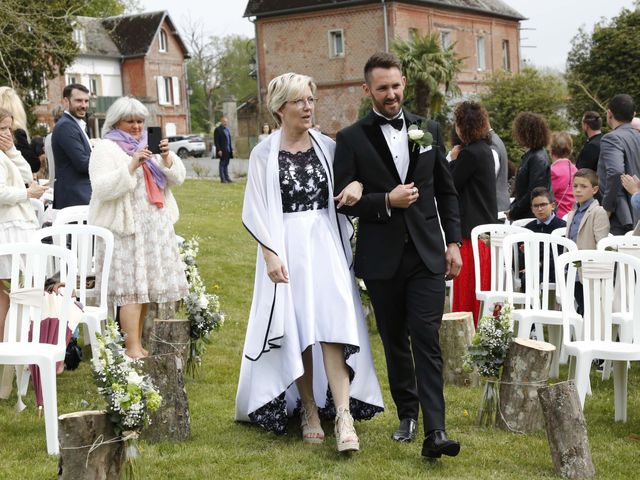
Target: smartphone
154,135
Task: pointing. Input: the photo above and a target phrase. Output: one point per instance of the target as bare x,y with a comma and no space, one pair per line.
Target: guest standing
591,125
530,130
10,101
475,181
562,171
266,131
17,218
224,149
306,329
132,198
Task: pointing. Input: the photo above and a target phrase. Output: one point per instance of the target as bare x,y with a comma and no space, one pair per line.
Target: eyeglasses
540,206
303,102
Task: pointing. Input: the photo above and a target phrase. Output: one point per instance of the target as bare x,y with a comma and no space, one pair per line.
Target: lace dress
321,286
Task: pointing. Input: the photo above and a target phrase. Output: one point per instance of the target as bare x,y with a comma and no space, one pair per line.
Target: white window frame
333,35
445,39
481,53
72,78
80,37
98,84
506,55
175,90
163,40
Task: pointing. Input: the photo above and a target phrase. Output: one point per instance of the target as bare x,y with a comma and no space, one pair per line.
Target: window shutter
162,94
175,84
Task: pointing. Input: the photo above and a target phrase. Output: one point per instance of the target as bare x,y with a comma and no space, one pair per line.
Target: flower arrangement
130,396
487,354
203,309
418,136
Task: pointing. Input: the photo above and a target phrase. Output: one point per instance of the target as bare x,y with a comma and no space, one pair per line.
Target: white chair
594,339
497,291
28,273
522,222
561,232
629,233
77,214
83,243
38,208
540,249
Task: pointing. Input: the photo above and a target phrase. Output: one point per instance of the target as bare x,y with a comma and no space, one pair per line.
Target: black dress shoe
437,444
406,431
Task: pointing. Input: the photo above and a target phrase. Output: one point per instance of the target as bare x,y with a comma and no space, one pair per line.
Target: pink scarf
154,179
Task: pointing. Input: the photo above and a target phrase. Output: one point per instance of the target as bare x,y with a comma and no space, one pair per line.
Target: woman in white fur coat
132,198
307,344
17,218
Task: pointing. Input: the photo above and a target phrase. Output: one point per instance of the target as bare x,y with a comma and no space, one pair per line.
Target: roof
97,39
264,8
134,34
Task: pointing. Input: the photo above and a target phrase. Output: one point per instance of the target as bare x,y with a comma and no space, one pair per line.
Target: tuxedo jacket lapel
414,153
374,134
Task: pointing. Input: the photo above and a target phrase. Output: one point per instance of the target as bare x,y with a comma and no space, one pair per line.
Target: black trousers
408,310
224,166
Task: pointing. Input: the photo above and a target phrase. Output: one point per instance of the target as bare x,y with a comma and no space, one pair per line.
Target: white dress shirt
398,143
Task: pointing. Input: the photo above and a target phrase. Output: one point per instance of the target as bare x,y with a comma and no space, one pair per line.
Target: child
588,222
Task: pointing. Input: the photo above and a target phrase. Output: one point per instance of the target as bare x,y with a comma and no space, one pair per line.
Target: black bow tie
396,123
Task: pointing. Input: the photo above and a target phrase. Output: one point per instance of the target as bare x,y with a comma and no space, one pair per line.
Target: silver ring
415,190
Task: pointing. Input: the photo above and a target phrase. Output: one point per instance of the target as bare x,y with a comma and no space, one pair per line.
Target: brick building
332,39
139,55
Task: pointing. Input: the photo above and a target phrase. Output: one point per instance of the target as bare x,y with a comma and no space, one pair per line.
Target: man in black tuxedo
400,252
224,149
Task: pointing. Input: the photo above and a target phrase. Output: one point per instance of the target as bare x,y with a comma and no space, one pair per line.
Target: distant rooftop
265,8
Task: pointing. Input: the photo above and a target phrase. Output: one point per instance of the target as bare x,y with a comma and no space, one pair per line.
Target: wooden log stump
80,432
162,311
171,336
566,430
171,422
525,368
456,334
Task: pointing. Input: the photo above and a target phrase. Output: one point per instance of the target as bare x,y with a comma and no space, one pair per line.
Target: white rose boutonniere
418,136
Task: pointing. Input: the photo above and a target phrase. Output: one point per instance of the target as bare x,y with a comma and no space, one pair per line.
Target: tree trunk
566,430
87,449
171,336
162,311
456,333
171,422
525,369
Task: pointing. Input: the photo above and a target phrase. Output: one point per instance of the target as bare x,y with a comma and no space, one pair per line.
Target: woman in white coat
306,330
132,198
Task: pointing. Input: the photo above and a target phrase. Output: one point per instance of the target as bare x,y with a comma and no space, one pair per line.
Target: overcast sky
554,22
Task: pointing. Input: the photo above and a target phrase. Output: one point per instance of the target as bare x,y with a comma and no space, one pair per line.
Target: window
168,90
72,78
445,39
80,37
163,41
94,86
336,44
480,53
506,59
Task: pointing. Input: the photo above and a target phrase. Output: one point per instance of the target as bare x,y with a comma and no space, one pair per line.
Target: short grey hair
124,108
285,88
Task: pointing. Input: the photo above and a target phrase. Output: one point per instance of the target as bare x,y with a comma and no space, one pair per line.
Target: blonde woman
132,198
10,101
17,218
306,336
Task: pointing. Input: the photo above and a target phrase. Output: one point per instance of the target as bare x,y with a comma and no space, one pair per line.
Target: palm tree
430,69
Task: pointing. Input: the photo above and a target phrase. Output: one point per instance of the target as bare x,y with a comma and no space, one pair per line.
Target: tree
430,70
234,67
603,63
530,90
109,8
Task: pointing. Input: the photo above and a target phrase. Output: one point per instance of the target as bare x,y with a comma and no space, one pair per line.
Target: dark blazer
71,152
533,172
26,149
475,180
589,154
221,142
362,153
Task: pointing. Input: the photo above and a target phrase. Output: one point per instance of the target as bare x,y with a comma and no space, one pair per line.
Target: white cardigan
14,203
112,186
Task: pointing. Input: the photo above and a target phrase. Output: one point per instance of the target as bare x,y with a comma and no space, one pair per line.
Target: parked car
187,145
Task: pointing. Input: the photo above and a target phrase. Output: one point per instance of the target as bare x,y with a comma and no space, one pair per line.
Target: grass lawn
221,448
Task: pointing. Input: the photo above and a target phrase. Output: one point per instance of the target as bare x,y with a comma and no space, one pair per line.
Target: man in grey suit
71,150
619,153
502,186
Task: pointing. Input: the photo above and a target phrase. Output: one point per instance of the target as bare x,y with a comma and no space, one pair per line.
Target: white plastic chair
83,243
38,208
522,222
594,339
561,232
497,291
77,213
28,274
540,249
